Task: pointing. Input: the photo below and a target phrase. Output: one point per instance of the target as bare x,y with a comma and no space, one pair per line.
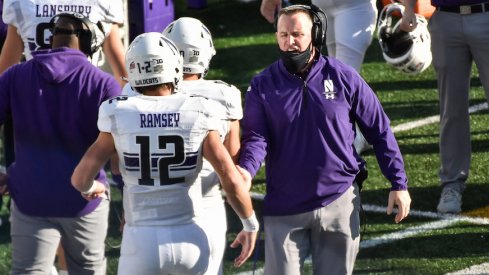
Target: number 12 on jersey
163,163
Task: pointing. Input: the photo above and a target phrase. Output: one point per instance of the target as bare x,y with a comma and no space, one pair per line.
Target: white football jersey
29,16
128,90
159,143
229,99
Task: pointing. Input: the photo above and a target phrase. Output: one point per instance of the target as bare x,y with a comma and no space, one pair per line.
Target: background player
459,37
56,110
27,32
162,135
194,41
28,23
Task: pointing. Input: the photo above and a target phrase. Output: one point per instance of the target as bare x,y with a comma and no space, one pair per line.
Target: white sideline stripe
482,269
432,119
432,215
395,236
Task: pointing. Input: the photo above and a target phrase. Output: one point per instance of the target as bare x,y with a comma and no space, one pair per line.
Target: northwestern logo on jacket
329,92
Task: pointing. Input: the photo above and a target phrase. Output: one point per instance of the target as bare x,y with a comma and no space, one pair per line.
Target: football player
161,137
28,29
194,41
55,112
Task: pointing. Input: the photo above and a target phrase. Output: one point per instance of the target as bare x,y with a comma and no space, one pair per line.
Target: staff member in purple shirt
459,37
299,117
54,100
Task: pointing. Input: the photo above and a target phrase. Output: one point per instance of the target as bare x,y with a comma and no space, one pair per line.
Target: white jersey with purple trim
159,143
29,16
229,99
128,90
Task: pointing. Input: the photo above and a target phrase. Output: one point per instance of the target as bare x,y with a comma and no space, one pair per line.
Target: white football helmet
410,52
153,59
194,41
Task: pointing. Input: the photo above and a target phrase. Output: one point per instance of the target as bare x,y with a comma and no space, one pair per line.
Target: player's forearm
12,49
232,141
240,201
85,173
94,159
232,181
237,195
114,51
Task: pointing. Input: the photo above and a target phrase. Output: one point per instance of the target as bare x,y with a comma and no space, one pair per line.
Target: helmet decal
153,59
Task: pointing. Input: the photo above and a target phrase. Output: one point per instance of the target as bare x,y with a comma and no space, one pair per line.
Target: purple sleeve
113,89
375,125
254,133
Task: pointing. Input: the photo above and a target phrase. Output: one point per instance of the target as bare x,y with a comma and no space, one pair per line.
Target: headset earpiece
88,40
319,23
319,26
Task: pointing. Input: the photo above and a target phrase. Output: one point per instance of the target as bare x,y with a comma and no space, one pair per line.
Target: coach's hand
247,241
408,20
402,200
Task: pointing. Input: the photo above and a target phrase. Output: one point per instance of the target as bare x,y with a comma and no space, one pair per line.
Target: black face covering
295,61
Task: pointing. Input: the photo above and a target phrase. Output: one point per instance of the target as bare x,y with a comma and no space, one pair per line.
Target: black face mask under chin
295,61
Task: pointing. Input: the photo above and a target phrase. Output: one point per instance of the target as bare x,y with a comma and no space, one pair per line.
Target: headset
319,23
88,40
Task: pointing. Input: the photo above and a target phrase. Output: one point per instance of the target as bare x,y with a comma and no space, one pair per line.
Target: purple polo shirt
54,100
304,130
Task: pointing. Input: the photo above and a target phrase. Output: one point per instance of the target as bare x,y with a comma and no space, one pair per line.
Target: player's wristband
90,190
250,224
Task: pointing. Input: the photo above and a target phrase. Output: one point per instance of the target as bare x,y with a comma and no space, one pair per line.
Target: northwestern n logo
329,92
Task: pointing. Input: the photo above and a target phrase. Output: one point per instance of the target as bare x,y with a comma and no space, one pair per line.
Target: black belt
466,9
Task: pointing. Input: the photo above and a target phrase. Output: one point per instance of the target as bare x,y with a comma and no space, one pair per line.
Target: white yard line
409,232
432,119
432,215
482,269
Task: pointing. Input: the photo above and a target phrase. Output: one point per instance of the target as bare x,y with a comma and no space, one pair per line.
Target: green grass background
245,45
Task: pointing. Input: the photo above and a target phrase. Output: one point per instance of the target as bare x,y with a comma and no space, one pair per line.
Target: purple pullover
54,100
304,130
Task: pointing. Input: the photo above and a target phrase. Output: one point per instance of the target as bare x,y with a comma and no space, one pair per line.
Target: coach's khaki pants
330,234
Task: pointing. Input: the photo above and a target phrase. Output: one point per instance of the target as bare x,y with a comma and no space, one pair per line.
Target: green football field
426,242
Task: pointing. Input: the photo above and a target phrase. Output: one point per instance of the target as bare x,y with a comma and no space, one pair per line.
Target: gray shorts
331,235
35,240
